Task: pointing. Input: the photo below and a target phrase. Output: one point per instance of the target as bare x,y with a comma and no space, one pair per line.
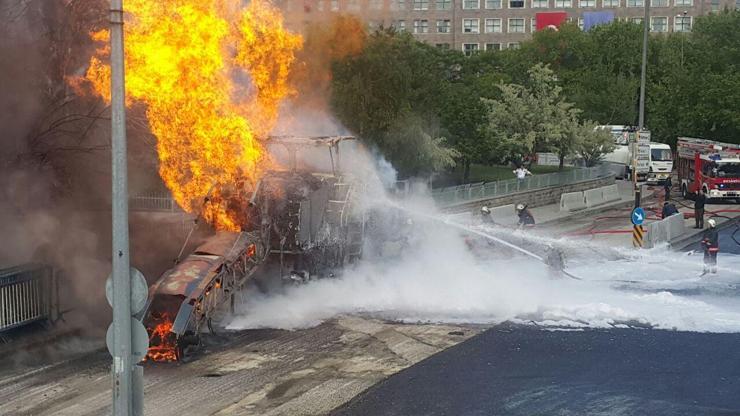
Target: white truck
654,160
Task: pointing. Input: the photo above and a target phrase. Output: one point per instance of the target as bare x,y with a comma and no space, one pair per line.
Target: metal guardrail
154,201
27,295
454,195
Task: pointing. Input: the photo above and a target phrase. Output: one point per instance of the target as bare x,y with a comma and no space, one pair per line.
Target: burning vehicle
303,220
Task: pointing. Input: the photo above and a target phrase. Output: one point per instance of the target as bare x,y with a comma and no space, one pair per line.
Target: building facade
475,25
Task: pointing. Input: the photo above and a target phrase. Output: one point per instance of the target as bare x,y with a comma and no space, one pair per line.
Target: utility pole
123,365
643,76
683,30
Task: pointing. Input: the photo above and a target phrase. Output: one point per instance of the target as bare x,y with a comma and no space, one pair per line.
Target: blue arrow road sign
638,216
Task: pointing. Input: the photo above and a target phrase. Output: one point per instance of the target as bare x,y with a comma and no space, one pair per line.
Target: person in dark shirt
699,202
710,243
669,209
525,216
667,185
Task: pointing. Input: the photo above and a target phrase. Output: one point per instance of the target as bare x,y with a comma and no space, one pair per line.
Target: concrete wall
534,198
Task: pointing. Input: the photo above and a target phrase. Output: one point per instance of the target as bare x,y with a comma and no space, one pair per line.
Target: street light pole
643,76
683,34
121,278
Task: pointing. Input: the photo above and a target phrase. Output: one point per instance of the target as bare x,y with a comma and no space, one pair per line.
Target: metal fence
27,295
454,195
154,201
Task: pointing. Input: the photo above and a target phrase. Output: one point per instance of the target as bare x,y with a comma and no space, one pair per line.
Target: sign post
637,217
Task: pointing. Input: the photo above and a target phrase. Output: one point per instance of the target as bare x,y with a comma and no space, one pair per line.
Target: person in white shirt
521,172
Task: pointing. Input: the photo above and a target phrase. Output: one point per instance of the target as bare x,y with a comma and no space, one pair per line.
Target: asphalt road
528,371
726,243
525,370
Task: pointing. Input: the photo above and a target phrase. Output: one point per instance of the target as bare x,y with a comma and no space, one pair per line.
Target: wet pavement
525,370
531,370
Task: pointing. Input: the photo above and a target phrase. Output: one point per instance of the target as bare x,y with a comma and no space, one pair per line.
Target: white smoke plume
437,279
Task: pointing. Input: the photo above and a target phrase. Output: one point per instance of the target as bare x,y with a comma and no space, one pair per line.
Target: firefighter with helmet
485,216
525,216
710,243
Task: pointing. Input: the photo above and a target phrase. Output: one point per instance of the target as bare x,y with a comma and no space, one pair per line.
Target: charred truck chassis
305,222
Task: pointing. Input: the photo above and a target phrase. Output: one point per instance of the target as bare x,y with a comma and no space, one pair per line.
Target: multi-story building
474,25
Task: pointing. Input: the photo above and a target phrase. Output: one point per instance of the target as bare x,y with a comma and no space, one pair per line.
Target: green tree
591,143
532,117
389,95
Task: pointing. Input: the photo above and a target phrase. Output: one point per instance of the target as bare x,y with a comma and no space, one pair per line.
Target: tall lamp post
125,394
683,29
643,76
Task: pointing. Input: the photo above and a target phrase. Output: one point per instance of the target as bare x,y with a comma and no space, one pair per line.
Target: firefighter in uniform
485,216
555,262
710,244
525,216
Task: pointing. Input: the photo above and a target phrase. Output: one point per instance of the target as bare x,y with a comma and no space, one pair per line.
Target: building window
563,4
444,4
470,26
443,26
610,3
471,4
586,3
401,25
715,5
493,25
682,24
658,24
516,25
684,2
375,5
398,4
493,4
442,45
659,3
636,20
423,4
493,46
470,48
334,5
540,4
516,4
513,45
421,26
635,3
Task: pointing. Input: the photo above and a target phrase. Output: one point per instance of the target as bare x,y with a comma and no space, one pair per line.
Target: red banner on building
551,20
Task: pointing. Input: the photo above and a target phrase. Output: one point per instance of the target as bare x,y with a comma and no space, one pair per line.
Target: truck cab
661,163
711,166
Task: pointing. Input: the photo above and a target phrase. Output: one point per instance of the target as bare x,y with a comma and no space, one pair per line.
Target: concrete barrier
665,231
611,193
504,215
676,226
572,201
594,197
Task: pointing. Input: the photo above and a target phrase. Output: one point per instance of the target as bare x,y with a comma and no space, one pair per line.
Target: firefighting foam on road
437,279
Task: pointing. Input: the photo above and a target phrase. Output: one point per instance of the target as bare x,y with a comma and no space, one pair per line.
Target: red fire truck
709,165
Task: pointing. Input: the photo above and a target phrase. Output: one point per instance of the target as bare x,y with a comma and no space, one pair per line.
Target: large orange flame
212,75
